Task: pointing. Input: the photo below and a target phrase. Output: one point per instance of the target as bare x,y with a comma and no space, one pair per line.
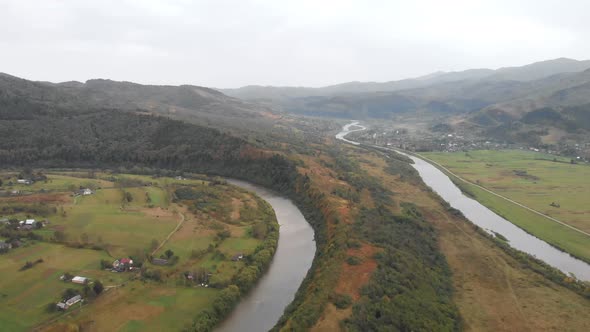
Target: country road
182,219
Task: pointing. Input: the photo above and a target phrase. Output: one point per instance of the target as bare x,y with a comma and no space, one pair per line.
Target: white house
79,280
86,191
30,222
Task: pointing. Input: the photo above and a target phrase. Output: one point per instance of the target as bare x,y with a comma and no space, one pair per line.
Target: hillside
192,103
525,73
492,103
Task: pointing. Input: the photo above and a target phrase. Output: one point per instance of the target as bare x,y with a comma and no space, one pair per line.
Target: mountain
192,103
540,70
525,73
506,103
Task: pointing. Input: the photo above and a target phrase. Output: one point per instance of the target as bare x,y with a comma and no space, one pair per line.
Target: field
125,216
492,290
556,188
26,294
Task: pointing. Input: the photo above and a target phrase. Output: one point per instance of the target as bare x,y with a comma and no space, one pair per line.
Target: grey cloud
313,43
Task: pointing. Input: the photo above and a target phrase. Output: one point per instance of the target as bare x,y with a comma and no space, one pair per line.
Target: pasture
125,216
548,184
25,294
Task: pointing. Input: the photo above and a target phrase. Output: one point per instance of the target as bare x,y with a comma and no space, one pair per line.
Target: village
443,138
120,232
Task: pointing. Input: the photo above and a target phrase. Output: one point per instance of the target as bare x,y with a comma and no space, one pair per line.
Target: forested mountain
186,102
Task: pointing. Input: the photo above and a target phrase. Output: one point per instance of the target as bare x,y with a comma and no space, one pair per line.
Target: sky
227,44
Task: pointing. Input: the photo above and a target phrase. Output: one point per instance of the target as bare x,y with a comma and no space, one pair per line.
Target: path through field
182,219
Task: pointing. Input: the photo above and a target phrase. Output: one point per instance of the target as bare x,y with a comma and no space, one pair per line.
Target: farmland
493,291
196,237
548,184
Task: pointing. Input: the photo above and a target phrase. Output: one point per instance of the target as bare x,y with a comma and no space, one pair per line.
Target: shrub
353,260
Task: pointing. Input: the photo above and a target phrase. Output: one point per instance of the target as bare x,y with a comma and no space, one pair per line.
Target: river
487,219
263,306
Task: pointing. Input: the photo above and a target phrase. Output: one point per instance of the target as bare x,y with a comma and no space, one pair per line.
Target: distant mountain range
497,102
530,72
540,102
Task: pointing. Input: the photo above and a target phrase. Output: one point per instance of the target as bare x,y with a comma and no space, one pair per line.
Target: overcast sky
222,43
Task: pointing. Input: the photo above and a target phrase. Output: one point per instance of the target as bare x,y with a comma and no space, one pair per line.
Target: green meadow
124,217
545,183
102,219
24,295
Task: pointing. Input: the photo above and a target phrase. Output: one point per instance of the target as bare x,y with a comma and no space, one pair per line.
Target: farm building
24,181
65,305
74,300
79,280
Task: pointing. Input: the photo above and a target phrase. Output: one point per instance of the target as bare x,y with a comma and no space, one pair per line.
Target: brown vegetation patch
191,229
353,277
55,198
157,212
236,205
494,294
321,175
331,318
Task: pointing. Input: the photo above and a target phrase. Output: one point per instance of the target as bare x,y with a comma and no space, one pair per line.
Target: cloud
232,43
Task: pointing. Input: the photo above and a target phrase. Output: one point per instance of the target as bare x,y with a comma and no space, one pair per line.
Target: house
80,280
122,264
86,192
24,181
30,222
159,261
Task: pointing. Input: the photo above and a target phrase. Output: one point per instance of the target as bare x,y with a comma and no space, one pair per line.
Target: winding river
263,306
486,219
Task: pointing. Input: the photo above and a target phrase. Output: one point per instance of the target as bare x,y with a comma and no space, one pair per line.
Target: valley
182,239
134,174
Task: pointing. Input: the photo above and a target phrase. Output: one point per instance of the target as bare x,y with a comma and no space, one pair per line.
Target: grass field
534,180
26,294
491,289
125,218
123,231
141,307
